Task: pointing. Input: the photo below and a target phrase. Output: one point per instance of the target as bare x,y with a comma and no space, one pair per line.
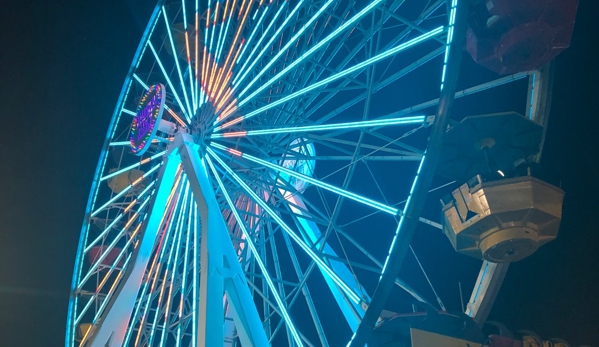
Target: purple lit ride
265,170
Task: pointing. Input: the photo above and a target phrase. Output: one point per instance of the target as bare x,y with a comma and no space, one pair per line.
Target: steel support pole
415,203
220,269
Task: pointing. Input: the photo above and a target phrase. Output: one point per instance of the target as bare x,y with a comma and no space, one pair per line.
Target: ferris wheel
265,170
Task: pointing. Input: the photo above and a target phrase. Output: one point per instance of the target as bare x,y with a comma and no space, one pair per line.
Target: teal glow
324,266
144,291
117,238
131,167
256,26
124,191
128,111
169,263
313,50
366,201
120,143
184,281
251,56
284,48
325,127
344,73
179,229
263,269
176,59
170,84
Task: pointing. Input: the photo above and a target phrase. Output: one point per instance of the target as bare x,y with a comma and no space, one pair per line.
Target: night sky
62,66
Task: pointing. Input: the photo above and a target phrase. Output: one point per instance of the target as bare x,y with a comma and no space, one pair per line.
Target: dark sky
62,65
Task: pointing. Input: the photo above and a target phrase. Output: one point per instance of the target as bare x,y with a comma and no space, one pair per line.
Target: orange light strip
225,99
204,60
230,70
174,115
130,206
235,40
234,152
232,108
235,134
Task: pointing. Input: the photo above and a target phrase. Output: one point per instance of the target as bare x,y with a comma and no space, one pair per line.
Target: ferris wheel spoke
176,59
378,86
285,48
308,179
134,166
325,127
223,77
116,219
188,56
337,76
306,292
427,12
227,19
346,289
257,25
251,59
341,29
252,246
170,84
129,112
127,189
112,245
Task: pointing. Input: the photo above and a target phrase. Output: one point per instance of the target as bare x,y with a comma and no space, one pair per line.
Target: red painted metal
509,36
96,252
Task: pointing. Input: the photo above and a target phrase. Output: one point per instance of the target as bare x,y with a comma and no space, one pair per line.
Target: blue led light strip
169,263
180,223
124,110
184,281
131,167
124,191
176,58
325,127
289,43
264,35
267,46
256,26
338,75
342,285
366,201
117,238
250,243
159,261
170,84
313,49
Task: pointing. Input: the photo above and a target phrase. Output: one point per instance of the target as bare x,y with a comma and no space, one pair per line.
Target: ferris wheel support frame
220,271
410,218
